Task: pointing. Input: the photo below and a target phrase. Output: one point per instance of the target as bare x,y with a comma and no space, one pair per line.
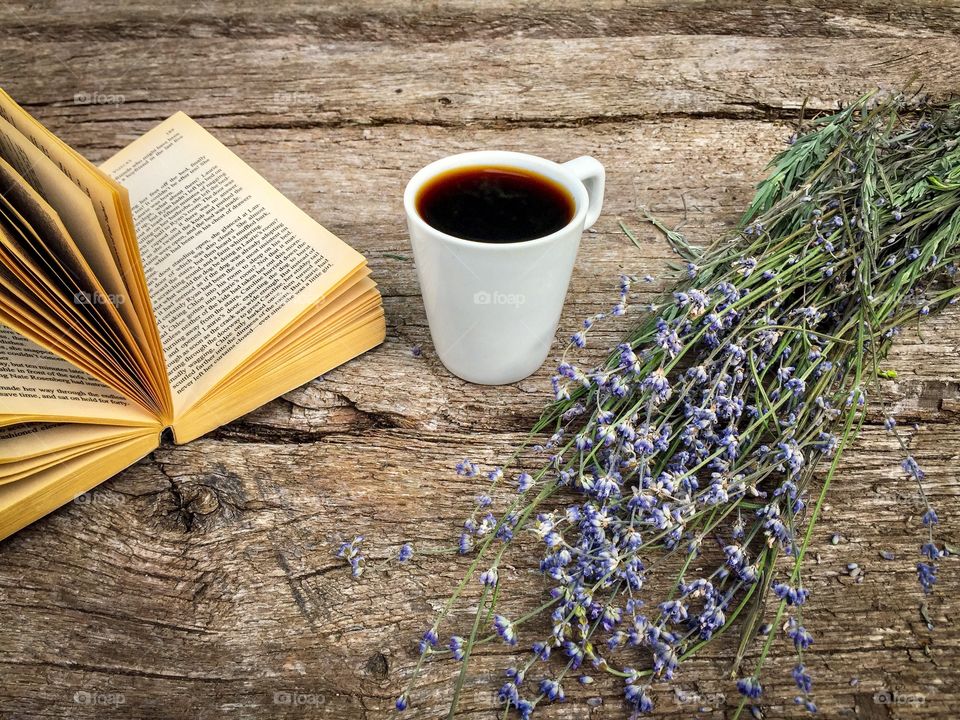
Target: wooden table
201,582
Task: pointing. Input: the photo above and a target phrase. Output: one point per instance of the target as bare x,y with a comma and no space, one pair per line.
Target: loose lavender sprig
712,421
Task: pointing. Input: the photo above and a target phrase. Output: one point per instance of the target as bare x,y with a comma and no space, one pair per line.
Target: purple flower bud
749,687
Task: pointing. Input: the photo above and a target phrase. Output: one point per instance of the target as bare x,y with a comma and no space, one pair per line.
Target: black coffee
495,204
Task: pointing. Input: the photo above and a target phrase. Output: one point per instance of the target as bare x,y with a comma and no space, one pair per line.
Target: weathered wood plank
407,21
204,579
276,82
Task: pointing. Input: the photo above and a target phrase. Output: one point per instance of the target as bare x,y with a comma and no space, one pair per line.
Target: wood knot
378,666
209,501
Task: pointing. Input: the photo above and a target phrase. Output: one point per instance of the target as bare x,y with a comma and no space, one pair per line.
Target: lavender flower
350,551
802,679
552,690
636,696
524,482
796,632
509,693
911,467
429,641
792,596
505,629
749,687
467,468
927,574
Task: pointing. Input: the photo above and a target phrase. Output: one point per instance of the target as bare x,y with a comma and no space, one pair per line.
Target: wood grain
411,22
201,582
288,82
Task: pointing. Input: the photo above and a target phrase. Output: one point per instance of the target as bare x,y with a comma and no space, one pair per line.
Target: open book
173,287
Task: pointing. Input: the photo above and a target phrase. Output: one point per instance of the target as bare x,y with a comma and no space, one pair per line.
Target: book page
112,208
36,383
39,254
71,204
31,498
75,440
229,261
40,440
76,170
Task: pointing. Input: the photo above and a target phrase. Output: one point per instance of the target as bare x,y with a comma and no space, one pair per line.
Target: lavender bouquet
722,415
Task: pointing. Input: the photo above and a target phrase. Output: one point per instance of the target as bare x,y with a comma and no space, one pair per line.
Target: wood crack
123,671
738,110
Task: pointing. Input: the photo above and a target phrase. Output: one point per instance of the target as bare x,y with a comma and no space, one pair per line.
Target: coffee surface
493,204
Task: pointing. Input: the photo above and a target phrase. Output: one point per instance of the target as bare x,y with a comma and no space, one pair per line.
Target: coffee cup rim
497,158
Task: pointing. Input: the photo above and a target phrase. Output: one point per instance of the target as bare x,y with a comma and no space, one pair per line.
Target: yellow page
261,384
110,205
354,302
31,440
23,469
230,262
41,245
74,208
37,384
31,498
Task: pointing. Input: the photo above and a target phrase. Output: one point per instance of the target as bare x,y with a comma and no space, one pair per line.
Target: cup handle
591,173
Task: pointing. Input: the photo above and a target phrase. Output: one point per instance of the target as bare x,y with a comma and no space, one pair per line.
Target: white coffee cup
493,308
